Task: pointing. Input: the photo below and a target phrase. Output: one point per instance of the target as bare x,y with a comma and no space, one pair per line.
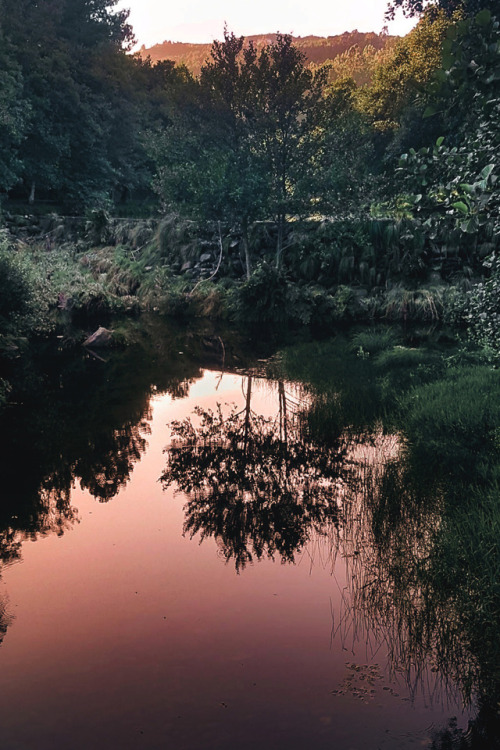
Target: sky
155,21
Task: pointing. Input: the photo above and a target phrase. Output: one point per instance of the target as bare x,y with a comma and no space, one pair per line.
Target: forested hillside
317,49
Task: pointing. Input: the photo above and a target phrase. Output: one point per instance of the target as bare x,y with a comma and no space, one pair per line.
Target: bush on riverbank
24,302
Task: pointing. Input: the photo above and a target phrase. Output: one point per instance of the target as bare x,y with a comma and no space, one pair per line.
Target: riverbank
102,265
66,276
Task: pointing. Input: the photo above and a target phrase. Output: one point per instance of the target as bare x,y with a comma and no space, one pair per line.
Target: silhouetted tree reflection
258,485
421,581
105,472
52,514
75,418
5,618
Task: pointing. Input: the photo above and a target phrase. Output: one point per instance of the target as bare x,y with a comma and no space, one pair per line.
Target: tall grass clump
466,571
372,341
422,304
452,425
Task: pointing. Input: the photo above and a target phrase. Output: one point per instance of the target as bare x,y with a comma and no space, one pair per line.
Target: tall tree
290,109
245,149
55,44
403,73
14,111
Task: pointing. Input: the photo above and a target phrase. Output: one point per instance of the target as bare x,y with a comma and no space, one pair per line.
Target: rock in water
102,337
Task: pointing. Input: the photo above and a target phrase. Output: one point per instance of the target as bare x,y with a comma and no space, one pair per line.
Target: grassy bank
60,272
332,271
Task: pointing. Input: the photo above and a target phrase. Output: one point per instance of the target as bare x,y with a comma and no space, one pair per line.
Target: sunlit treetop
413,8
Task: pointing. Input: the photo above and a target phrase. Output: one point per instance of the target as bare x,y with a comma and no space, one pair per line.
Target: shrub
482,310
262,300
23,302
16,287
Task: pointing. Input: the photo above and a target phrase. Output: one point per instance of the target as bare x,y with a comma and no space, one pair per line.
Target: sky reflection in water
162,617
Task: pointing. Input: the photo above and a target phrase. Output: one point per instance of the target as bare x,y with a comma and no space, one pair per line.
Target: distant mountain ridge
317,49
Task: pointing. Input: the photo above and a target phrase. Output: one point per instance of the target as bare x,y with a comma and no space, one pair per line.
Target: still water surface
139,615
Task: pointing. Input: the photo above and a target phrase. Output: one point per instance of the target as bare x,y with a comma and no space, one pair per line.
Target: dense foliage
330,193
73,103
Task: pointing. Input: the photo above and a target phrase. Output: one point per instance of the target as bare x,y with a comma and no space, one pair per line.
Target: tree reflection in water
258,485
413,586
51,514
78,419
421,567
261,487
5,618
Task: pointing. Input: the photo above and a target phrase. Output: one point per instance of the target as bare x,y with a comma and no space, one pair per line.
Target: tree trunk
246,248
279,243
283,414
31,199
247,414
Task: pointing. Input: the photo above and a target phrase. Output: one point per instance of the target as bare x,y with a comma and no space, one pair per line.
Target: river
203,584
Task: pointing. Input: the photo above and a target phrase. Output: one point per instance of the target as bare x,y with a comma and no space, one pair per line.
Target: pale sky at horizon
155,21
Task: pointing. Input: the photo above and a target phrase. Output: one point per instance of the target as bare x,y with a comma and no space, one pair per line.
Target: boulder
101,337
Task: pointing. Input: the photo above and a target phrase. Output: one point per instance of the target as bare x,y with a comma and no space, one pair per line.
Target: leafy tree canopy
413,8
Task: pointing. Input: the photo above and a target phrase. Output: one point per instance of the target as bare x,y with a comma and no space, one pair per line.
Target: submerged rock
101,337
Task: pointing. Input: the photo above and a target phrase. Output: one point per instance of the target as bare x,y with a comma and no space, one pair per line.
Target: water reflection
263,486
414,581
75,418
258,485
78,418
321,467
388,538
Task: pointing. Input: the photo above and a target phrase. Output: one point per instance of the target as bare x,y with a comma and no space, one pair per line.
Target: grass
452,425
375,340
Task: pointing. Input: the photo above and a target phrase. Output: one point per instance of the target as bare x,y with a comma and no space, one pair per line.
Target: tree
413,8
451,187
208,163
403,73
55,45
342,176
228,82
288,124
14,112
248,143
